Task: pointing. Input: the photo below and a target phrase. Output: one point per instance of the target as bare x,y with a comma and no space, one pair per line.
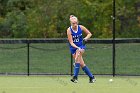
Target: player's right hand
79,48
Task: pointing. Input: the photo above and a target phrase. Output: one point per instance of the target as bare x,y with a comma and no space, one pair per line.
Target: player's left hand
84,41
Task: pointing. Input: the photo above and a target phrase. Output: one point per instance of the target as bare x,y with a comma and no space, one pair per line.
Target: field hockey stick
84,43
76,57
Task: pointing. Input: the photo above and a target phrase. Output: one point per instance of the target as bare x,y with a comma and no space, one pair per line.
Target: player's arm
88,33
70,39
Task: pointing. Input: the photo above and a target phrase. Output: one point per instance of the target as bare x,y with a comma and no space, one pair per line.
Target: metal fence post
114,52
28,57
71,65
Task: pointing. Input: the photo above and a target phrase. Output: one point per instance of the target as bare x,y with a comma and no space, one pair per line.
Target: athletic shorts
73,50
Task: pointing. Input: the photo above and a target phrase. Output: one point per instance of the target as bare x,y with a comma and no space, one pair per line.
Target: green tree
50,18
127,24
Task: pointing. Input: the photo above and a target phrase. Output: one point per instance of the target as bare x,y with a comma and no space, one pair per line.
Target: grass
62,84
55,58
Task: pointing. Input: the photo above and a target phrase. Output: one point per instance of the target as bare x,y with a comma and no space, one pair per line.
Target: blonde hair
73,18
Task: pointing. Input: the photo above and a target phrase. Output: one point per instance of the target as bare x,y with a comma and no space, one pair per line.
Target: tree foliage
50,18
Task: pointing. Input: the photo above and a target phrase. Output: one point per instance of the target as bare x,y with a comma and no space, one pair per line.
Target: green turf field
62,84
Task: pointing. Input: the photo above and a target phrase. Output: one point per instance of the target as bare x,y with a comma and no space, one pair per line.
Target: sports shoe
74,79
92,80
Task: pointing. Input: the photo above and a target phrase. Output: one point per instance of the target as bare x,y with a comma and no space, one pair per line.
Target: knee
82,51
82,65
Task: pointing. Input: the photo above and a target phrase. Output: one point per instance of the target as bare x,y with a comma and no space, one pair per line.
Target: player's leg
76,56
87,70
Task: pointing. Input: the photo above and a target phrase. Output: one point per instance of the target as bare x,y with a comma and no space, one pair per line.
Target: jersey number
75,39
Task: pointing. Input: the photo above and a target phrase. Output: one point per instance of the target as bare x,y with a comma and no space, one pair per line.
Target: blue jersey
77,37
